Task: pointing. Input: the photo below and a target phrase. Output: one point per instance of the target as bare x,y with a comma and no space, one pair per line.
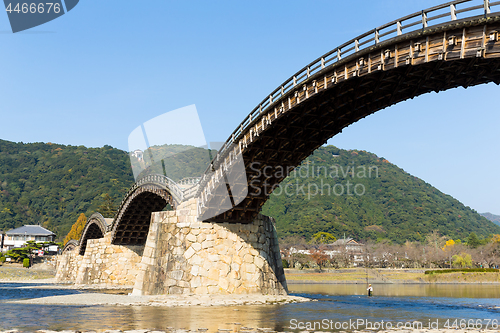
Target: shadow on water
18,291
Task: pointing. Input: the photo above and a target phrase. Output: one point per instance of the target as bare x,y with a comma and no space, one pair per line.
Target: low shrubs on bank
467,270
26,263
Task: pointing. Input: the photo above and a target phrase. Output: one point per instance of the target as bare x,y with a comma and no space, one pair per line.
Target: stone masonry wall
102,264
183,255
67,265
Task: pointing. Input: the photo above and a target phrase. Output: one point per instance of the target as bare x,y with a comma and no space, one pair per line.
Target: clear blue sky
95,74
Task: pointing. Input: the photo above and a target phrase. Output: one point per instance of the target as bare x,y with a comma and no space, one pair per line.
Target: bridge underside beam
296,134
135,216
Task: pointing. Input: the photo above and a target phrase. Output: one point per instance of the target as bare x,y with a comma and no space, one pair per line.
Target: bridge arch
149,194
354,80
96,227
70,246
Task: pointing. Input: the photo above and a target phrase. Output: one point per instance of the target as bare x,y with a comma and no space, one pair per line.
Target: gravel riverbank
162,300
101,295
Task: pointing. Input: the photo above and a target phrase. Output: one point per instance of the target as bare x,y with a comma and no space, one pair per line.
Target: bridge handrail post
424,19
377,38
487,9
453,11
399,28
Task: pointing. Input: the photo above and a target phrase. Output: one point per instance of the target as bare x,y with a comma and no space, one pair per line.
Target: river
334,306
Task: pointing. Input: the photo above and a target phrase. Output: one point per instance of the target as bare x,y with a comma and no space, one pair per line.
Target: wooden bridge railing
436,15
176,191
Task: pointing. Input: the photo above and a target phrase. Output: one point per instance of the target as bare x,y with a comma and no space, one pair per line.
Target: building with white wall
19,236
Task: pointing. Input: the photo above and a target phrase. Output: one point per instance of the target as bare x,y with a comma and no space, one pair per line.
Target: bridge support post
103,264
185,256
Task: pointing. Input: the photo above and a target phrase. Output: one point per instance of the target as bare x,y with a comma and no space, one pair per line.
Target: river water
334,306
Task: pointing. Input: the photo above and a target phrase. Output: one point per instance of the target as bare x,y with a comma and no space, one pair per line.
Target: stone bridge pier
181,255
184,256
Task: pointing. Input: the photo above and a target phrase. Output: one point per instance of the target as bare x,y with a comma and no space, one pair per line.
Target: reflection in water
33,317
212,318
424,290
338,303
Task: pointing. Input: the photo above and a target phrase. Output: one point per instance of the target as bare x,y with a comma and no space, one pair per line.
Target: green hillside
393,204
176,161
51,184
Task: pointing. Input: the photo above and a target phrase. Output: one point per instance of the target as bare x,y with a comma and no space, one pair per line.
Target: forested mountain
492,217
391,203
51,184
176,161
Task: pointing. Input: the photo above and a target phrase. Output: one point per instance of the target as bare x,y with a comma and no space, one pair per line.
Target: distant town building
346,246
19,236
349,244
138,154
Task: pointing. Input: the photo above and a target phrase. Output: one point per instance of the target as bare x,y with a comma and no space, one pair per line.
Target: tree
107,208
320,258
449,244
462,260
76,229
322,238
19,254
495,238
473,241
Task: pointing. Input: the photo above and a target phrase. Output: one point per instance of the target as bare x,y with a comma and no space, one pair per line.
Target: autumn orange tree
320,258
76,229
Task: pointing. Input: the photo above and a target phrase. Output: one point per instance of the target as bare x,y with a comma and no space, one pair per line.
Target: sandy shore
91,295
15,272
163,300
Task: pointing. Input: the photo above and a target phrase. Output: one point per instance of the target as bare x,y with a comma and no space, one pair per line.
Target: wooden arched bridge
455,44
131,224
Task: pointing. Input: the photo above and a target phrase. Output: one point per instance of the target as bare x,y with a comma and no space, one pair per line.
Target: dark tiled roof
347,241
33,230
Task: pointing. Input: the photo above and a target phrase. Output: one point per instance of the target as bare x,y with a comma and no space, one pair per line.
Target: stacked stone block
185,256
67,265
102,264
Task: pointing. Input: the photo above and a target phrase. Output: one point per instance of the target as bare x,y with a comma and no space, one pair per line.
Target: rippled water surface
333,303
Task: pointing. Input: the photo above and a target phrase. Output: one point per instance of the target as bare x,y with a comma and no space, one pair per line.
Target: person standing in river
370,290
